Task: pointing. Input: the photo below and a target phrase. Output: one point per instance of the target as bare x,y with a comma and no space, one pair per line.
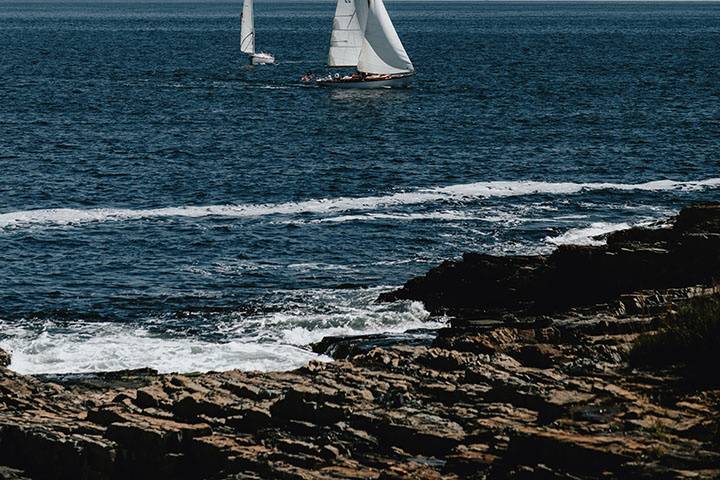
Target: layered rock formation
529,381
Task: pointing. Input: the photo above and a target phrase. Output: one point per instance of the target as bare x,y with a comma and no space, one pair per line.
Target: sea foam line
264,341
460,192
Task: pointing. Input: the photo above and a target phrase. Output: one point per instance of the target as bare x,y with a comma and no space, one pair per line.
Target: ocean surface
164,204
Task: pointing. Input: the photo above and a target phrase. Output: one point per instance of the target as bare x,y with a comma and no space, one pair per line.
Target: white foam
592,234
264,341
107,347
409,217
333,206
362,323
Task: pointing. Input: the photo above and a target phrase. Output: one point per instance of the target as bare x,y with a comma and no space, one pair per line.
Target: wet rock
478,282
635,260
5,358
346,347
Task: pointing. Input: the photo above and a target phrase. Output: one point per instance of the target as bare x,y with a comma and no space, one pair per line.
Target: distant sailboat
247,37
363,36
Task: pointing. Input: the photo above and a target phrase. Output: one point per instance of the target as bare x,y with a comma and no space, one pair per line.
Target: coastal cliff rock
539,390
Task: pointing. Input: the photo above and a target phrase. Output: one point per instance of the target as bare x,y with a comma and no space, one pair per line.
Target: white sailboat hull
262,59
398,81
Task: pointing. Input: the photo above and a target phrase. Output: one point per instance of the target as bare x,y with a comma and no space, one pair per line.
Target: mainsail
347,34
382,51
247,29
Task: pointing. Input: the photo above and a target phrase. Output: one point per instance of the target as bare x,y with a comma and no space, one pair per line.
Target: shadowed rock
638,259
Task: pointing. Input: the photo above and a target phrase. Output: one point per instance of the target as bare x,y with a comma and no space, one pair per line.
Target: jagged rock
222,452
639,259
520,387
411,470
301,403
493,341
197,405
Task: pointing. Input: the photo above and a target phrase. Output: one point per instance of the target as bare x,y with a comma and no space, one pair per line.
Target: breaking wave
590,235
334,206
266,341
108,347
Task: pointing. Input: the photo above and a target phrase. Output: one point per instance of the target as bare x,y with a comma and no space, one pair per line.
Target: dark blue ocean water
163,203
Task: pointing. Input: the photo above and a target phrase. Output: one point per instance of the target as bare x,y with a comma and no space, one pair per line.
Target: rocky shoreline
529,380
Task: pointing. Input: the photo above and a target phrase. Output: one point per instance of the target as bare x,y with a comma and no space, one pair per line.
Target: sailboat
364,37
247,37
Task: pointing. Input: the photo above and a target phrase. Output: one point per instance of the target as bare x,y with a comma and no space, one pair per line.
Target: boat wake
333,206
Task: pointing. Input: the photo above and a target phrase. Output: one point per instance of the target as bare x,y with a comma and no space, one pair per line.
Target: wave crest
333,206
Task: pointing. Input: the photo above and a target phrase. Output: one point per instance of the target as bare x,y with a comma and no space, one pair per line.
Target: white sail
247,29
382,51
347,35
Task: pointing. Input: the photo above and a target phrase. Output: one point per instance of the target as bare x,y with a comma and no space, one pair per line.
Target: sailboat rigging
364,37
247,37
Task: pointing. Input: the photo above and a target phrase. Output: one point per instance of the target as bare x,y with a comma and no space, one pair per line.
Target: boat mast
247,29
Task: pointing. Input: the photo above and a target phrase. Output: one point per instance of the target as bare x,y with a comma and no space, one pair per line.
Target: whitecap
334,206
86,348
265,341
592,234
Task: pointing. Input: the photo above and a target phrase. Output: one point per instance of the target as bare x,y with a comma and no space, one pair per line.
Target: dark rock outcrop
525,395
688,253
